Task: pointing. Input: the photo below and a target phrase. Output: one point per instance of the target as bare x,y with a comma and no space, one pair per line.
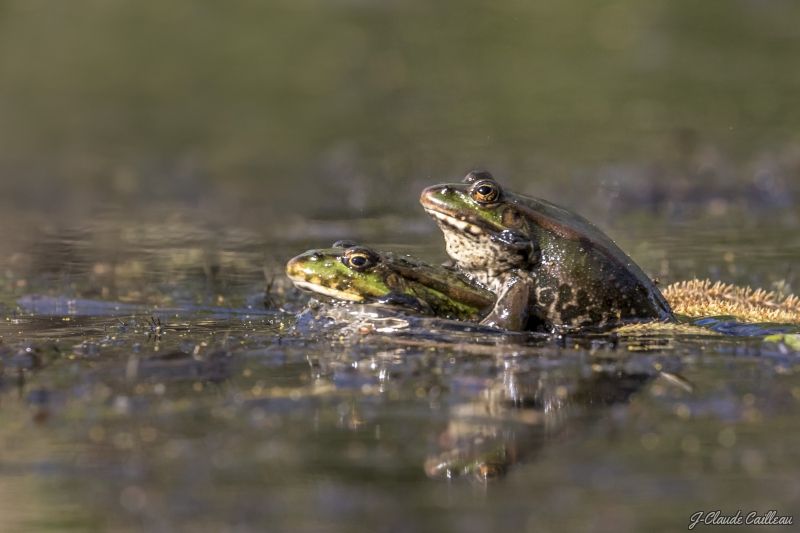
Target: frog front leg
513,300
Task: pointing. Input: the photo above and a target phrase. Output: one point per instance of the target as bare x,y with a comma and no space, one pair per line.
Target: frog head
345,272
483,226
360,274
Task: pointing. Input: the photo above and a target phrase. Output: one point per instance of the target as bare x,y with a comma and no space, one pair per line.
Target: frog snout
294,268
435,195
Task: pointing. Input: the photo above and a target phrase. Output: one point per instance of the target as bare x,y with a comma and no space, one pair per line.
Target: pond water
147,388
161,161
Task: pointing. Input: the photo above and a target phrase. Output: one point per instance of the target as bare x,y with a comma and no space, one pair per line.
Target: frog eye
485,192
344,244
359,259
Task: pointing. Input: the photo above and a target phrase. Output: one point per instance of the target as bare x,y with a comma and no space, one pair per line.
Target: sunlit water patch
216,399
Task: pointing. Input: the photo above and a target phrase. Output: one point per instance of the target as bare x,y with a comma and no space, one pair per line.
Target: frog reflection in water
549,267
518,417
360,274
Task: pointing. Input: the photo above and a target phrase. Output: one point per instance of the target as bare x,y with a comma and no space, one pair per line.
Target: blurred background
242,125
261,113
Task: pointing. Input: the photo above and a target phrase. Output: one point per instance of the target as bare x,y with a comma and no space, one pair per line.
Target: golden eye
359,259
485,192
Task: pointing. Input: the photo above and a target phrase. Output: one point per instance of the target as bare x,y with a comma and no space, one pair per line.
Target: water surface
148,388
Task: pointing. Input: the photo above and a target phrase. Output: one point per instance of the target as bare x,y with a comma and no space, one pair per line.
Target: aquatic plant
701,298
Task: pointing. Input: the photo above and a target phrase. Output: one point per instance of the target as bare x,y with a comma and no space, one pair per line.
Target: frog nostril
316,255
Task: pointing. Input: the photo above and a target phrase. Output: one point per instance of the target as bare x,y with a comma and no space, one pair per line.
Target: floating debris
701,298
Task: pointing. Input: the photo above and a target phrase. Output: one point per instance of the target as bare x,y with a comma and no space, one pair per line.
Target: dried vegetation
701,298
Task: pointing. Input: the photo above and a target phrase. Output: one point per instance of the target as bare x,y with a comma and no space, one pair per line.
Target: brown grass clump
701,298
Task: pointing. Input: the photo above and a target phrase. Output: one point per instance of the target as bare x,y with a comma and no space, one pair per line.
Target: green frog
549,267
360,274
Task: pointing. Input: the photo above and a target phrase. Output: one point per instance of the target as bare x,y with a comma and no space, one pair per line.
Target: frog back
582,275
453,292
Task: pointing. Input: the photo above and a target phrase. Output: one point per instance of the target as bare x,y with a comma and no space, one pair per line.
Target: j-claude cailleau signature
716,518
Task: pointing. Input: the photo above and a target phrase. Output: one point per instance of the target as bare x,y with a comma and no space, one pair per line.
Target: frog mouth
333,293
461,225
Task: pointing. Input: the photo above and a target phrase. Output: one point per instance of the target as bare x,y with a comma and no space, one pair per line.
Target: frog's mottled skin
390,279
548,266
